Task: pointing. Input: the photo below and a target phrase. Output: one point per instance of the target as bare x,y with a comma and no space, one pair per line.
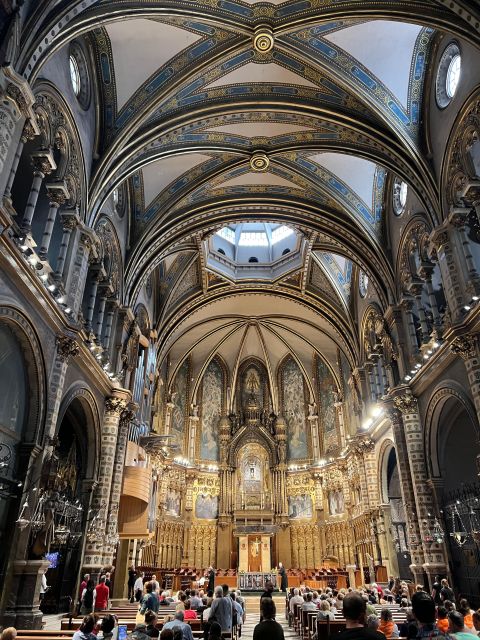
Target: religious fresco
180,402
294,411
172,503
206,507
300,506
212,386
336,502
251,385
327,395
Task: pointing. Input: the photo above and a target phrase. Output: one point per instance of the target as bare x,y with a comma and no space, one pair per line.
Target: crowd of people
432,615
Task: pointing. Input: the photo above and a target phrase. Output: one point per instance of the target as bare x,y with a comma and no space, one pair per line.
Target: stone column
58,194
313,420
444,246
70,221
28,134
192,431
108,325
458,218
127,415
416,288
341,424
43,164
97,275
100,315
408,406
466,346
425,272
407,304
67,347
83,250
95,549
407,491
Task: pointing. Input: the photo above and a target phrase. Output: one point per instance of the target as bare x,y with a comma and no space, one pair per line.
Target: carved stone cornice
43,161
67,347
465,346
17,90
57,192
114,405
406,403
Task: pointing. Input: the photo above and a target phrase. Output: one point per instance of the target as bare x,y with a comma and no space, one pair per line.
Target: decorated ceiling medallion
259,162
263,40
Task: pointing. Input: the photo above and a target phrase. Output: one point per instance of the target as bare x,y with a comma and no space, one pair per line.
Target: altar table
256,581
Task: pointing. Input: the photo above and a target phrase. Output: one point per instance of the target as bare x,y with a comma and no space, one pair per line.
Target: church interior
239,295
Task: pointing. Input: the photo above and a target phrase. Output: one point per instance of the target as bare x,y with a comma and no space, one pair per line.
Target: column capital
17,89
43,161
114,405
29,132
465,346
66,347
57,192
406,403
70,219
458,216
440,236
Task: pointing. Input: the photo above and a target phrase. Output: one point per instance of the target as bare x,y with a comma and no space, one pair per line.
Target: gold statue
252,383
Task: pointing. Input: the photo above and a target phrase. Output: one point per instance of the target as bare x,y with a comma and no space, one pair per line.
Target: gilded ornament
465,346
259,162
263,40
66,347
114,406
406,404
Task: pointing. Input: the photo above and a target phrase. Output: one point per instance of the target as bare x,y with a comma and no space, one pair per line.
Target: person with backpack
87,601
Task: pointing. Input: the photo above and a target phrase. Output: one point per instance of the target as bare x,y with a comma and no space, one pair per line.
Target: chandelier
465,521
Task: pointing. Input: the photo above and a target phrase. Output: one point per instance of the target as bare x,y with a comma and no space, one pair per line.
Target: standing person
87,601
283,578
268,591
211,579
354,611
132,574
43,586
446,592
436,588
155,583
108,580
423,608
102,594
83,586
138,587
268,628
150,600
222,610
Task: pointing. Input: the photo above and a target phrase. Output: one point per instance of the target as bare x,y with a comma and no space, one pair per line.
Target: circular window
79,74
363,284
75,76
448,75
400,192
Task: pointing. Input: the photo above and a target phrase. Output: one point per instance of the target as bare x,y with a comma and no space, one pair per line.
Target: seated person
354,611
309,605
387,626
325,612
189,613
442,619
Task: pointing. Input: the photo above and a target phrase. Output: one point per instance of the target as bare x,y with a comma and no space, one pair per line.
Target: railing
253,502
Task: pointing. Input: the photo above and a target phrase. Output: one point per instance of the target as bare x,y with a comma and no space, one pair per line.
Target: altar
256,581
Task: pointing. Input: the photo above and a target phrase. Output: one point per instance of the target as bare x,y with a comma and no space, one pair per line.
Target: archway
391,489
458,448
74,460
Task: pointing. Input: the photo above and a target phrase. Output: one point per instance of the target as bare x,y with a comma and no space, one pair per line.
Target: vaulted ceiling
224,112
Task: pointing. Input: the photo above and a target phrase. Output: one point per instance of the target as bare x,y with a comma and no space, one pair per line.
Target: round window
400,192
448,75
75,76
79,76
363,284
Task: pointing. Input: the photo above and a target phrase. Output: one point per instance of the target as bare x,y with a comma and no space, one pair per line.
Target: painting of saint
336,502
294,411
180,402
211,411
300,506
206,507
172,503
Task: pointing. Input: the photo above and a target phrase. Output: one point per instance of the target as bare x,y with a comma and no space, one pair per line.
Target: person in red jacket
102,594
189,614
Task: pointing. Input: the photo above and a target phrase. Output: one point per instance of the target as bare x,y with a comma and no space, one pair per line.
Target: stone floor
253,615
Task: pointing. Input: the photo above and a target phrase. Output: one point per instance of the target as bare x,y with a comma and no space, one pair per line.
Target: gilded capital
406,403
66,347
465,346
114,406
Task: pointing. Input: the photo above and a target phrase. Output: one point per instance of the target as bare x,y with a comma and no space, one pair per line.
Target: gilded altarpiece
202,501
304,530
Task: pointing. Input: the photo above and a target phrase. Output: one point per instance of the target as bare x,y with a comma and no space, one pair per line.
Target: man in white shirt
295,599
138,587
